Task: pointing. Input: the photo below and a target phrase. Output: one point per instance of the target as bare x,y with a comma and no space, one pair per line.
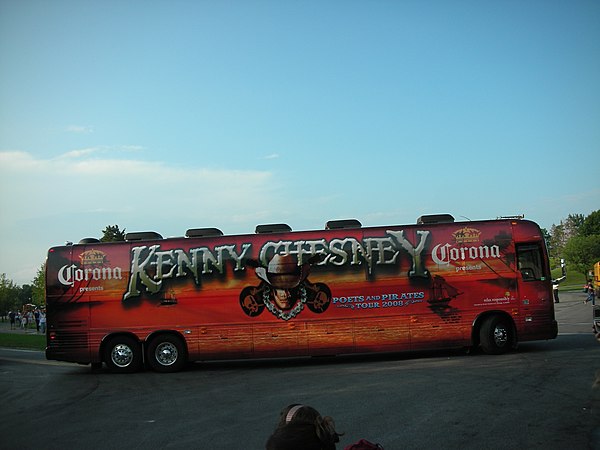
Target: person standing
42,322
555,284
591,294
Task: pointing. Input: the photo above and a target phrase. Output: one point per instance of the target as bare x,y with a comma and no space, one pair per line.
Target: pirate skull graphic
284,290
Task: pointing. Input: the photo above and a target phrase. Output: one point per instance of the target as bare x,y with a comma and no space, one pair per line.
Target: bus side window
529,260
527,273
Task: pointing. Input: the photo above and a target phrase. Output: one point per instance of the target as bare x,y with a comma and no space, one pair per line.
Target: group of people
301,427
26,319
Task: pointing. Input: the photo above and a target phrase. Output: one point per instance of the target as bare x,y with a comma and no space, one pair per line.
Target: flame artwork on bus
277,293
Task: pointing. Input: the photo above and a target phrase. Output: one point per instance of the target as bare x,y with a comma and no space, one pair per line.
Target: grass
26,341
575,280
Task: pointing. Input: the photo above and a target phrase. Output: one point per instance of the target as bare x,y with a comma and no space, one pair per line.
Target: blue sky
169,115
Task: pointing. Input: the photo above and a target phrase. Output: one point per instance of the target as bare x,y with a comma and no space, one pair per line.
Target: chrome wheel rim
121,355
500,335
166,353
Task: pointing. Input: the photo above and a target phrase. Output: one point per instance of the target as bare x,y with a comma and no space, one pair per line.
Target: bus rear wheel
496,335
166,353
123,354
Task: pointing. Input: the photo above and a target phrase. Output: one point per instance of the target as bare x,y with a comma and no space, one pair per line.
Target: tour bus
161,302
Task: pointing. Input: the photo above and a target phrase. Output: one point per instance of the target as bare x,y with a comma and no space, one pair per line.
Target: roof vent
143,236
515,217
273,228
203,232
435,218
345,223
89,241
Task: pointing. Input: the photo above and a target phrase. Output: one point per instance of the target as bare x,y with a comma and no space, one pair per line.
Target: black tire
123,354
166,353
496,335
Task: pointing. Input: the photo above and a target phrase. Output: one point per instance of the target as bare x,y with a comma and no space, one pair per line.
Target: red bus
280,293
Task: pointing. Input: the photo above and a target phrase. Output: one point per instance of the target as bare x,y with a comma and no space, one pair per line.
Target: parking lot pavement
572,314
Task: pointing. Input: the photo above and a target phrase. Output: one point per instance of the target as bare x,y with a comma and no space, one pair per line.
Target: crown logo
466,234
93,258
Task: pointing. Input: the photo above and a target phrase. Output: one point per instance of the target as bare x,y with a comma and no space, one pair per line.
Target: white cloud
48,201
77,181
79,153
15,159
101,150
272,156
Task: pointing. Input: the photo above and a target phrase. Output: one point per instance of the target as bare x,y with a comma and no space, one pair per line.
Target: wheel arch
161,339
174,333
109,337
481,318
158,333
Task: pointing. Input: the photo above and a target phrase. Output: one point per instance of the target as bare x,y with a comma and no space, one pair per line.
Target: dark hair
297,412
296,436
302,427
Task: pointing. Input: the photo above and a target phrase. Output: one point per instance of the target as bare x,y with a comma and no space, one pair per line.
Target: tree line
575,239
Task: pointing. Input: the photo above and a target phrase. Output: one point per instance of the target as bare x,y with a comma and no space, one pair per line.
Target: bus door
535,290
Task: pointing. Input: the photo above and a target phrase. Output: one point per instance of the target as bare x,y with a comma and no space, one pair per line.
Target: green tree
8,295
557,240
575,240
591,224
38,286
582,252
561,233
572,224
24,295
112,233
546,234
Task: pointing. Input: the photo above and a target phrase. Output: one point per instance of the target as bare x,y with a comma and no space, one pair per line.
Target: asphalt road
545,395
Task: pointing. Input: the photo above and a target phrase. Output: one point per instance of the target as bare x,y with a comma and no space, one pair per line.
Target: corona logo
466,235
94,258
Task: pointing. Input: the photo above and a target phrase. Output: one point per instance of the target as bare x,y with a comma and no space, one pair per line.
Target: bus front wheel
496,335
123,354
166,353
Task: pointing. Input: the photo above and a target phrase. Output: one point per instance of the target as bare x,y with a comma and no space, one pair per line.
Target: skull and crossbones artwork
284,290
